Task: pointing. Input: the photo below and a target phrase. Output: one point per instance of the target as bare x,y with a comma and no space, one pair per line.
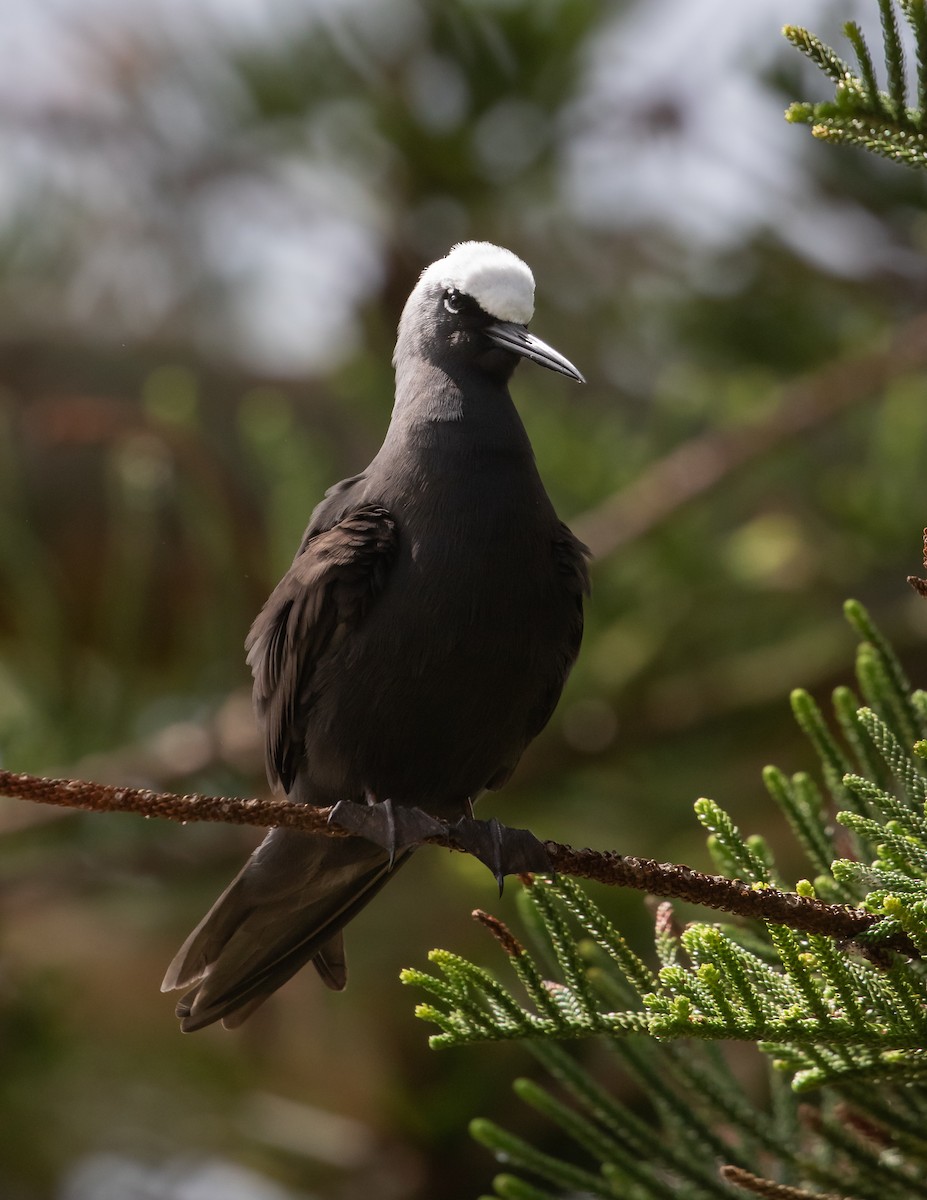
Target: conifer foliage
844,1033
887,120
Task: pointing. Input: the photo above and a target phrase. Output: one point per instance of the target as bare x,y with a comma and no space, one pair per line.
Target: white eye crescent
452,300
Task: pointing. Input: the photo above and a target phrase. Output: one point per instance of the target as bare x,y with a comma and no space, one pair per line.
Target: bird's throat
434,409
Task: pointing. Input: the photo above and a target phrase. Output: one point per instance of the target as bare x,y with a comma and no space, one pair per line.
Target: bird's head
471,309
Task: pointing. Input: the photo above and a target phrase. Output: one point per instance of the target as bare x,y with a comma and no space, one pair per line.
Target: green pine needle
861,113
894,58
819,53
831,1021
516,1151
748,865
915,12
866,68
834,761
510,1187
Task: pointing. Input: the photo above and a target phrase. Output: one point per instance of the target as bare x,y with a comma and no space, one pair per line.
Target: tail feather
288,905
329,962
331,965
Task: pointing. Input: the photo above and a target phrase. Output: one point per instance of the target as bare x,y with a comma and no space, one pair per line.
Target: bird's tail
286,906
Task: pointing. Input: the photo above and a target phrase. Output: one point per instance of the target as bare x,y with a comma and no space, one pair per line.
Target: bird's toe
504,850
394,827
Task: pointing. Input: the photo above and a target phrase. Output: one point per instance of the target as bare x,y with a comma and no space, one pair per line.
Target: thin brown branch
770,1190
101,797
920,585
679,882
500,931
701,464
670,880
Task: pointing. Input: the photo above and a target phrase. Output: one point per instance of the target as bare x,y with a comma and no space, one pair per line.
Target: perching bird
417,644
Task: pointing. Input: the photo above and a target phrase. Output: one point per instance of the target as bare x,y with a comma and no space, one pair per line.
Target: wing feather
336,576
571,558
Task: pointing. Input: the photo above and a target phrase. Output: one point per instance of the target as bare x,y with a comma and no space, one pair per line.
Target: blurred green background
210,215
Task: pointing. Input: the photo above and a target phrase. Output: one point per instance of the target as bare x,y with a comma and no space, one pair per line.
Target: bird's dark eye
452,300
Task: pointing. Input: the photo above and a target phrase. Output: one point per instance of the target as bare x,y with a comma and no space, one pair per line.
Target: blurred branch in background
703,463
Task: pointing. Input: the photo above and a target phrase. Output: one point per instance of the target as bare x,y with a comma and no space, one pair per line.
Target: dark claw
495,832
390,826
504,850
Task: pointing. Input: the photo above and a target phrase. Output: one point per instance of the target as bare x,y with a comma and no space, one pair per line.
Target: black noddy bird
419,641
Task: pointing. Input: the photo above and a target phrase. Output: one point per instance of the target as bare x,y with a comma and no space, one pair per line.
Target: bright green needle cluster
845,1031
886,121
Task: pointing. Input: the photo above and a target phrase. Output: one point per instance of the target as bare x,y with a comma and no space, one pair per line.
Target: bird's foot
504,850
394,827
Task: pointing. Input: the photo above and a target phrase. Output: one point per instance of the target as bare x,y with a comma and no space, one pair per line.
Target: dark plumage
417,644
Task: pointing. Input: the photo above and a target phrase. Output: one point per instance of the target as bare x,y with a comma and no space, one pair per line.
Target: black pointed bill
516,338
